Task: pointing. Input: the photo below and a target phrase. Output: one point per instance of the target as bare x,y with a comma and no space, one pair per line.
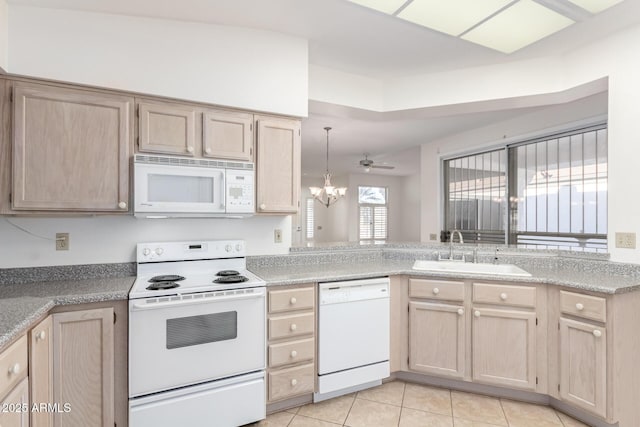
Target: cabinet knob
503,296
476,313
579,306
190,149
436,291
597,333
293,300
294,382
41,335
294,327
294,353
460,311
207,150
263,206
122,205
15,369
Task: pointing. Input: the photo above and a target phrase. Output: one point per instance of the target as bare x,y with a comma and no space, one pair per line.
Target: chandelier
328,194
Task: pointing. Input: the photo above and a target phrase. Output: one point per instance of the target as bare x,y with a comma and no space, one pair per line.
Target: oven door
167,189
182,340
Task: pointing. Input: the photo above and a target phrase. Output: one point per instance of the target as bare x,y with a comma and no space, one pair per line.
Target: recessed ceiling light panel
386,6
451,16
518,26
595,6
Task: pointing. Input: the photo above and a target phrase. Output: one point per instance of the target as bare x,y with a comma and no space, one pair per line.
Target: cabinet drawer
291,352
586,306
521,296
291,325
289,382
291,299
436,289
13,365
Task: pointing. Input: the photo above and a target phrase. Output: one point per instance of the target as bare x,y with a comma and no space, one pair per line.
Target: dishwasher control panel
353,290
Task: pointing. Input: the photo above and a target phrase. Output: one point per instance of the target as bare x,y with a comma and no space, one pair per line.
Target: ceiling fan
368,164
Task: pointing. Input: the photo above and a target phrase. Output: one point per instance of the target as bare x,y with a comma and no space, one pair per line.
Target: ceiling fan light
367,169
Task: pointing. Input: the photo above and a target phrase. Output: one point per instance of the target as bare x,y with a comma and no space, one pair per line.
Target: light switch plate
626,240
62,241
433,236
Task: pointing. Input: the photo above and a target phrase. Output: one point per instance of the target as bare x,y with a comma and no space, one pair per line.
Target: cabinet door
437,337
227,135
83,367
583,365
17,406
41,370
504,347
166,129
278,165
71,149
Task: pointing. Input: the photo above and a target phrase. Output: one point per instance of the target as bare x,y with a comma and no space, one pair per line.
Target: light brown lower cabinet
83,373
15,406
41,371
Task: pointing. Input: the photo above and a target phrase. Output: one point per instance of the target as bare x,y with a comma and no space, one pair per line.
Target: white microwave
167,186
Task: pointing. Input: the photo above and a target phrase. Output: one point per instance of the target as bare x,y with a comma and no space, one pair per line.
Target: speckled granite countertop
21,305
603,282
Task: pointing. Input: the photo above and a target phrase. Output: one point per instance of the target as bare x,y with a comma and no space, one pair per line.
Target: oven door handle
193,301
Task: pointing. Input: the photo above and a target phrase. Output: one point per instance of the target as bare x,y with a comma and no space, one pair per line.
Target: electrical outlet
62,241
277,235
433,236
626,240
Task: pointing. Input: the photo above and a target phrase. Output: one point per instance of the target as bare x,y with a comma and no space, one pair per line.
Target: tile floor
402,404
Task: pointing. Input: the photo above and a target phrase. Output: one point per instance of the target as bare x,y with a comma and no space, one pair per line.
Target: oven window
180,189
206,328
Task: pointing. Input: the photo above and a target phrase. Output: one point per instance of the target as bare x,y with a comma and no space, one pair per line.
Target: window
309,224
556,192
372,214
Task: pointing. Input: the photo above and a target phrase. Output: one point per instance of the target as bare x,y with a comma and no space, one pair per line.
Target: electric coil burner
230,279
157,286
166,278
225,273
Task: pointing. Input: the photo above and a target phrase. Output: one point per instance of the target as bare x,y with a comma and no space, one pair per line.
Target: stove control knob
159,251
238,247
228,248
146,251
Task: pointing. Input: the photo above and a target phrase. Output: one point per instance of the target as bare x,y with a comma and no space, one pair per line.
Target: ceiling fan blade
383,167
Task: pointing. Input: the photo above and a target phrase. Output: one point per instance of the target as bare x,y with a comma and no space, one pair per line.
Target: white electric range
196,336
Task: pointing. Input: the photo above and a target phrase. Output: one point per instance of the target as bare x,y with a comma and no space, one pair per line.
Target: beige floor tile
302,421
293,410
476,407
279,419
567,421
459,422
366,413
520,414
415,418
390,393
333,410
425,398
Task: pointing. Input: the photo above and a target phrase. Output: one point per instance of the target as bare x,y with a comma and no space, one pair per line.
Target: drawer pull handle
293,327
15,369
294,353
460,311
597,333
503,296
294,382
41,335
293,300
436,291
476,313
579,306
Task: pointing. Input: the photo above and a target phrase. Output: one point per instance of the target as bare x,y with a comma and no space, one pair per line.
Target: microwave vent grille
179,161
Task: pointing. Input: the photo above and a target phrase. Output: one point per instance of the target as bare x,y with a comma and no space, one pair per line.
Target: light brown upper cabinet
71,149
227,135
277,165
167,128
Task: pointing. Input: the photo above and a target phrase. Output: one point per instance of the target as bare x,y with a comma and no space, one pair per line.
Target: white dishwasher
353,336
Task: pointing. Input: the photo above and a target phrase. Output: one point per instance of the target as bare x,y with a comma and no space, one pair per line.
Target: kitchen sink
470,268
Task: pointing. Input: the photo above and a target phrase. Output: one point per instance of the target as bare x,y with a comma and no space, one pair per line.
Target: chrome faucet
452,232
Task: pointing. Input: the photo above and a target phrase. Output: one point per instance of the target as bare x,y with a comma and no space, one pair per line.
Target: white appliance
353,336
196,336
181,187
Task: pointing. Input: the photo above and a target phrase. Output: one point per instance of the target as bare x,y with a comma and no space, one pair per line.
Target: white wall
410,213
224,65
332,220
338,87
112,239
4,35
